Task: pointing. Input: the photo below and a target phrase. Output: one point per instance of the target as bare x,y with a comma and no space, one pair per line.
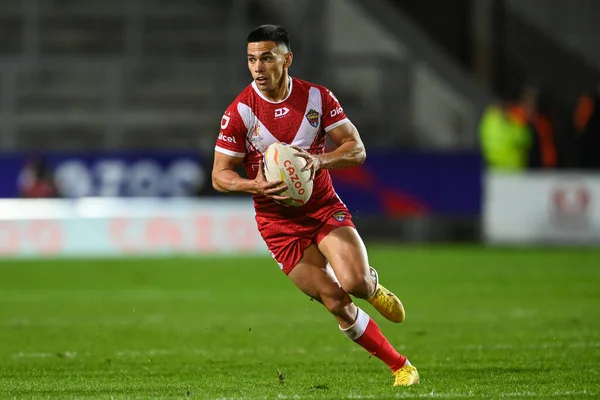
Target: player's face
267,63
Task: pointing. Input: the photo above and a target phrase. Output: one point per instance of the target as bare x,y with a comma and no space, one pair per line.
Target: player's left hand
313,162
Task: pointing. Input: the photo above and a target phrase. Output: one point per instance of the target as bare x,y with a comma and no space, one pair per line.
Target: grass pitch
480,323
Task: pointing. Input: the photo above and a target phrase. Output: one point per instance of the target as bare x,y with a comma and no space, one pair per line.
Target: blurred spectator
518,135
505,143
36,179
587,129
526,112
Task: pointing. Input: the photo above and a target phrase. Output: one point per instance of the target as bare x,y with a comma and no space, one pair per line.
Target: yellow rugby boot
406,376
386,302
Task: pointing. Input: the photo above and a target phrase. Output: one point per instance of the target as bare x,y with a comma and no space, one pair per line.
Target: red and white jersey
251,123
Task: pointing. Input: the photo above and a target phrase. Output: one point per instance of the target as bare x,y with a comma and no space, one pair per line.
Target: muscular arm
350,149
224,177
226,180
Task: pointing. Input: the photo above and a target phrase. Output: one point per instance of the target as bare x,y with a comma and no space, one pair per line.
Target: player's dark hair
270,33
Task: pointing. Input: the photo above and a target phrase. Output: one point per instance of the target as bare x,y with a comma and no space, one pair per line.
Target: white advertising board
119,227
530,208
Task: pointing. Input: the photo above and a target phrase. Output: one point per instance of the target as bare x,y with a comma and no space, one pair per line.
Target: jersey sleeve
232,136
333,113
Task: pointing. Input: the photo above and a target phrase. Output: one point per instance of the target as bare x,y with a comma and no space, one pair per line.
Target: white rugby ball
281,163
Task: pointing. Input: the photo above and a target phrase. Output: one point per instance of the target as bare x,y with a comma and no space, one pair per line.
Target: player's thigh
315,277
347,254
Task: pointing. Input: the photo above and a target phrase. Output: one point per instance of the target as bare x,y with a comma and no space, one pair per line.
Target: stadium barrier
542,208
397,195
122,227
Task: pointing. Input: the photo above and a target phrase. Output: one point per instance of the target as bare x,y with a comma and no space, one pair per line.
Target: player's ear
289,57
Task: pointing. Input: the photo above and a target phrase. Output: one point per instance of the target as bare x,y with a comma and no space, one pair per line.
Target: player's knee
361,286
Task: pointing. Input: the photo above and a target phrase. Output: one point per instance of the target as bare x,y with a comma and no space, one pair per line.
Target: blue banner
120,174
411,183
389,183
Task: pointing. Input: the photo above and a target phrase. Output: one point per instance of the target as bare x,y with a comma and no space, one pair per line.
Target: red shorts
287,238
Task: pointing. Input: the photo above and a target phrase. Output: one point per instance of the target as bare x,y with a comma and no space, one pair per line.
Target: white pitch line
170,352
141,295
538,346
297,350
433,394
63,354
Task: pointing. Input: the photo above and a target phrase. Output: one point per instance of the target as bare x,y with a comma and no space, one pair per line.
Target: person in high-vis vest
505,143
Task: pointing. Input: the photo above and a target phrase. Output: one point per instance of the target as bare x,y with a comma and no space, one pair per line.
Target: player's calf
339,303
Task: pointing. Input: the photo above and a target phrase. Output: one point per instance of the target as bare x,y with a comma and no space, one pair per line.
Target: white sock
358,327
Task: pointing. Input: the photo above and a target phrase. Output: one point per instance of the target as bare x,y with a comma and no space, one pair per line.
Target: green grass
480,323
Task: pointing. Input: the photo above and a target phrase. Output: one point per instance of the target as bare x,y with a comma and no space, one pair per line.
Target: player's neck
281,91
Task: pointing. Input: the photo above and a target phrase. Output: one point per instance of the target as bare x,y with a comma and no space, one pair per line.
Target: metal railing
112,72
109,90
379,92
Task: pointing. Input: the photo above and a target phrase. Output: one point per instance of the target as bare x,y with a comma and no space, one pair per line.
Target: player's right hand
272,189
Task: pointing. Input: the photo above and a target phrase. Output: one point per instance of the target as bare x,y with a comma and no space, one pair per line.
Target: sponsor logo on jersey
225,138
336,111
339,216
313,118
225,121
281,112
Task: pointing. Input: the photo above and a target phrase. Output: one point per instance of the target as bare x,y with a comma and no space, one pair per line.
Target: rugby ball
282,163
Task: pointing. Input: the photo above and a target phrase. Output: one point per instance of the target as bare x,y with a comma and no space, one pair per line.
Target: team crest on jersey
256,132
256,138
339,216
313,118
